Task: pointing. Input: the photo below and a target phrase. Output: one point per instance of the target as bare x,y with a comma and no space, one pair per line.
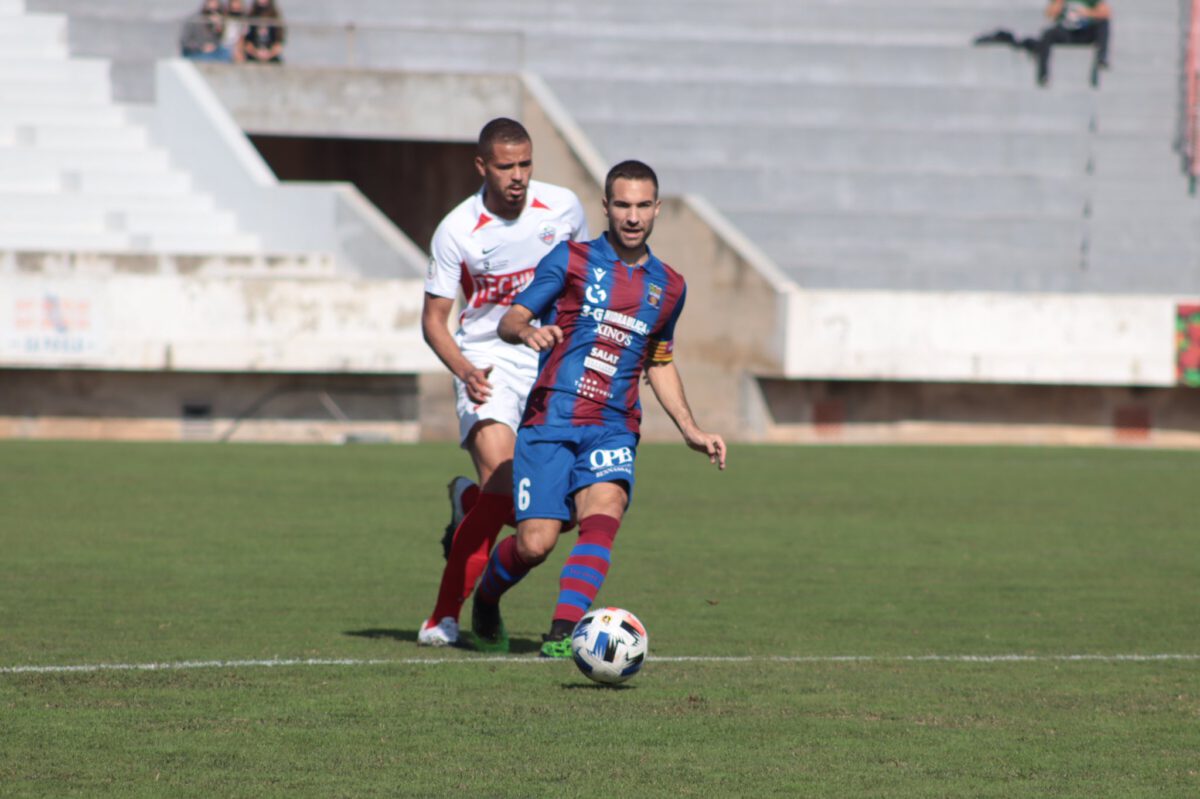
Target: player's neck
631,258
498,208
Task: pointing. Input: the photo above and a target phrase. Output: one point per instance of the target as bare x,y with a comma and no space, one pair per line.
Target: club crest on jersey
655,295
548,234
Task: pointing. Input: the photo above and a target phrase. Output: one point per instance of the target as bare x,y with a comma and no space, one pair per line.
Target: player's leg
506,568
488,434
541,476
491,447
463,492
600,507
604,477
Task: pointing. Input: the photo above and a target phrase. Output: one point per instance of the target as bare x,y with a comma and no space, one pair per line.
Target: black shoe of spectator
997,37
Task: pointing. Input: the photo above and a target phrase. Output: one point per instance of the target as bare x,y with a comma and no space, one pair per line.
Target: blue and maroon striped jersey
615,320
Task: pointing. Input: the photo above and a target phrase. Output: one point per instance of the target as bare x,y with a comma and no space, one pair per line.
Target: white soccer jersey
492,259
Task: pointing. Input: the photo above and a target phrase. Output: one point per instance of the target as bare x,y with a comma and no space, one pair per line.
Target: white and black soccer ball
609,645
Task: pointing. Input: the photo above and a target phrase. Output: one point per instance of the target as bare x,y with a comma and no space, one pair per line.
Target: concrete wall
1098,340
201,406
103,312
362,104
850,412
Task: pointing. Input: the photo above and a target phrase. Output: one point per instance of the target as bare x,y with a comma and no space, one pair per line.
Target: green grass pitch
164,554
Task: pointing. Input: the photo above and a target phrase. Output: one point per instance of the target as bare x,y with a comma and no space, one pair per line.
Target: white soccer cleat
444,633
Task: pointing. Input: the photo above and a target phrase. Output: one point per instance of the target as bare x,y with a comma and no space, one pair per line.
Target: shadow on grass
516,646
379,632
594,686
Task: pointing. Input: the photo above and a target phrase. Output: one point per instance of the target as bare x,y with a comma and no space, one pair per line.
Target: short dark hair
501,129
629,170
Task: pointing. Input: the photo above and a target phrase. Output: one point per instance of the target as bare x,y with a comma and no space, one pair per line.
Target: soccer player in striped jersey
488,247
607,311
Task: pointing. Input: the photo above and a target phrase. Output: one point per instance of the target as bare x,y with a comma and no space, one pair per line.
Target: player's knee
534,549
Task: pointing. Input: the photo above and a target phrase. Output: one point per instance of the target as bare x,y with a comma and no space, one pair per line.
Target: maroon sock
468,553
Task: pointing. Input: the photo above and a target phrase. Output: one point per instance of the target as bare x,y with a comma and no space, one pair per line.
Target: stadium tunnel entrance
414,183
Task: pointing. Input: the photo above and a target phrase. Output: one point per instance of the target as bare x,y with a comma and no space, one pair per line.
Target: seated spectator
265,34
202,34
1075,22
235,29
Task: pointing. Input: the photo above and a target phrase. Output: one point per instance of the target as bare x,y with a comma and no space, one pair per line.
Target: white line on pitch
184,665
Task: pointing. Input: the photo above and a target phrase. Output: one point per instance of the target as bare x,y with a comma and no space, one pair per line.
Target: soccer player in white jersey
489,247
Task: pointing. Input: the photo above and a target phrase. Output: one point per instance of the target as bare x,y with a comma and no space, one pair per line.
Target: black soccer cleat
487,628
457,487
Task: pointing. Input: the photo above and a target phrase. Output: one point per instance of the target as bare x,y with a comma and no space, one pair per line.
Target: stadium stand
926,213
137,241
862,144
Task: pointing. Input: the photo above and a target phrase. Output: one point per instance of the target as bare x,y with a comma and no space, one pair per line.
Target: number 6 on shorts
523,493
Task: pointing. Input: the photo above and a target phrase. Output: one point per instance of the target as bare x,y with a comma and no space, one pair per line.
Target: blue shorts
552,463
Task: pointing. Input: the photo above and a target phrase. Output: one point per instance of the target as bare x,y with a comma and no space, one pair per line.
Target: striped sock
586,567
504,570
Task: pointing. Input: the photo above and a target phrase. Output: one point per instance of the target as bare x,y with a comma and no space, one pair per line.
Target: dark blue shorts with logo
552,463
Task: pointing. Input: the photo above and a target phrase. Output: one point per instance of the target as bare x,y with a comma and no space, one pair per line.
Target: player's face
631,212
506,175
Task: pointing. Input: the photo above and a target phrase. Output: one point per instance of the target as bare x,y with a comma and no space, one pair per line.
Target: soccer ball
609,645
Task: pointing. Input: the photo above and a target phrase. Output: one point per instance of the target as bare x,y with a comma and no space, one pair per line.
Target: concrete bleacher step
755,16
152,160
62,136
37,178
777,102
49,70
33,36
620,60
1053,154
63,240
900,192
66,93
149,216
783,231
201,242
106,115
84,240
864,136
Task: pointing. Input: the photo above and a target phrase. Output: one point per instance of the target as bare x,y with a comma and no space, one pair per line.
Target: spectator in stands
235,29
203,32
1075,22
265,35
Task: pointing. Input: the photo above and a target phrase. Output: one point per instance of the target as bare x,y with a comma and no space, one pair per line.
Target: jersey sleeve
445,265
578,221
548,281
662,344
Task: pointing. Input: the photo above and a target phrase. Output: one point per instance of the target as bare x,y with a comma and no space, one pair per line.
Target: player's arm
516,328
668,387
1101,11
435,314
1054,8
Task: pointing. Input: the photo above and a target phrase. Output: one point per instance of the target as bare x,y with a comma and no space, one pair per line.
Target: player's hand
710,444
541,338
478,387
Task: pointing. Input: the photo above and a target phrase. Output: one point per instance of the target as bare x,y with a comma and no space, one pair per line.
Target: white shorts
510,389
